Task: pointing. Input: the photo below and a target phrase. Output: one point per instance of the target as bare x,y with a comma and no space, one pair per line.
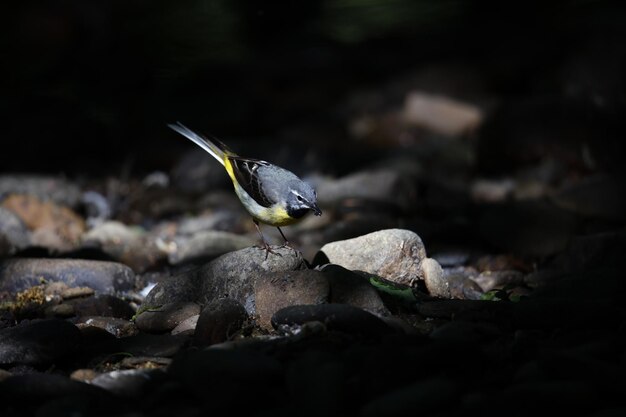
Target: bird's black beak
316,209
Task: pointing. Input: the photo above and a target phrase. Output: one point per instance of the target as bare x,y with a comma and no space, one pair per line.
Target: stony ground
424,289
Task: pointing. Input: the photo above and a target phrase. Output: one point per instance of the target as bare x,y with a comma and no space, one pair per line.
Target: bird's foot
268,249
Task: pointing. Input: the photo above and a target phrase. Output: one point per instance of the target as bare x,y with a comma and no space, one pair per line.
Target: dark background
88,86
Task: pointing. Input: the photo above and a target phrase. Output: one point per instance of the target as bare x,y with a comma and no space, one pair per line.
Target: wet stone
219,321
39,342
347,287
336,317
275,290
104,277
233,275
165,317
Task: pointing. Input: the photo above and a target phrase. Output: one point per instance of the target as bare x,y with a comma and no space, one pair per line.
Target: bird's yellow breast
275,216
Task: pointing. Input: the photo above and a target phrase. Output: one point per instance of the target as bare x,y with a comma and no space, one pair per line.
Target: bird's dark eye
299,198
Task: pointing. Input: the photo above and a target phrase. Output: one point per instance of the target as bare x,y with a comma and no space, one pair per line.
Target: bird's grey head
301,198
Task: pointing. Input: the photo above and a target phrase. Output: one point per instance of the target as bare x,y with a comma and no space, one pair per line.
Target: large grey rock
233,275
394,254
104,277
276,290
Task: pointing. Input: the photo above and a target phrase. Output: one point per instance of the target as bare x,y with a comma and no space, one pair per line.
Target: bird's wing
246,173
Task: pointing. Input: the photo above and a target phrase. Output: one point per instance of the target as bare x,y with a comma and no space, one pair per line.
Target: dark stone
104,277
39,342
165,317
102,305
219,321
336,317
276,290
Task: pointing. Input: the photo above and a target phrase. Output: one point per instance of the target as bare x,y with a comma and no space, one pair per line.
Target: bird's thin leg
283,235
266,245
286,244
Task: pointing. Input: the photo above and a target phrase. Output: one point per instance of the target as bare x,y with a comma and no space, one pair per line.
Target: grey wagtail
271,194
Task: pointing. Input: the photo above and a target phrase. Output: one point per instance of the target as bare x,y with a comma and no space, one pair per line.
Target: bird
270,194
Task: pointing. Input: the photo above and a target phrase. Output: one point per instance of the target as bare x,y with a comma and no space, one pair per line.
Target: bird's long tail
217,150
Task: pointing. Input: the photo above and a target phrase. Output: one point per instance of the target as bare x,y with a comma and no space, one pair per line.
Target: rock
182,287
187,326
463,287
435,279
384,186
58,190
129,245
76,292
145,362
40,342
165,317
219,321
104,277
275,290
60,310
102,305
233,275
116,326
441,114
347,287
14,234
490,280
207,244
491,191
83,375
53,226
212,221
394,254
336,317
128,382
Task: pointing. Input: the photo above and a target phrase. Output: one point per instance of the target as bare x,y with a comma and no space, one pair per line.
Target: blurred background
88,86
